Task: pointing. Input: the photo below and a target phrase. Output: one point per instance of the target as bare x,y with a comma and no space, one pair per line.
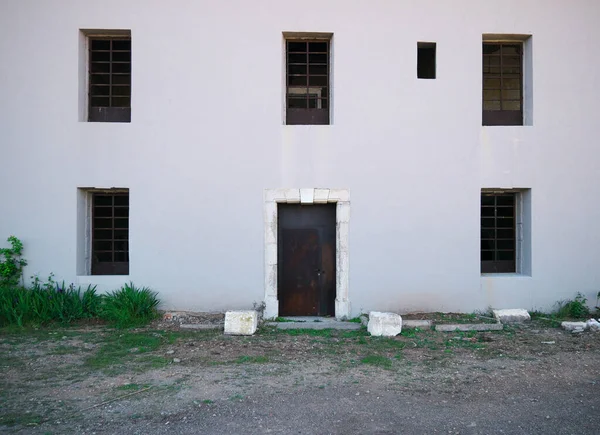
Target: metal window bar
498,233
502,83
307,81
109,79
110,233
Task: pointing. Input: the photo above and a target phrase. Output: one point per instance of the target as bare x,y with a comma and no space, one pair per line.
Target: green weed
43,303
572,308
245,359
130,387
377,360
130,306
23,419
121,349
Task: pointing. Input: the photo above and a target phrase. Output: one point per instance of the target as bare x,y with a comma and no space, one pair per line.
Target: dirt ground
529,379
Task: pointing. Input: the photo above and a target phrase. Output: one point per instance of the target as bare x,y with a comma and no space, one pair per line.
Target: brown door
306,251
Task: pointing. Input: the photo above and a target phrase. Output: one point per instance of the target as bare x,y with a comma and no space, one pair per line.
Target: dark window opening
109,79
426,60
307,81
110,233
502,83
498,241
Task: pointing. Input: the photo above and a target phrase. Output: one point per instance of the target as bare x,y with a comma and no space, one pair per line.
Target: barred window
110,232
307,81
109,79
502,83
498,241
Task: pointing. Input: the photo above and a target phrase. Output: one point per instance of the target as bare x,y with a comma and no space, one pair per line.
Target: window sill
505,275
103,281
507,125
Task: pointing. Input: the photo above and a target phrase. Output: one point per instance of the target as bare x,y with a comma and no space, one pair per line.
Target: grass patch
22,419
245,359
132,387
65,350
377,360
308,332
548,320
120,349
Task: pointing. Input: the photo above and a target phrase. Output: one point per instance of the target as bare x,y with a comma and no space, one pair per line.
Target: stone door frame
341,197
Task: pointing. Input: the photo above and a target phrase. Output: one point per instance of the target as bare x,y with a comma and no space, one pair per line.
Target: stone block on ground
241,322
574,326
384,324
470,327
593,325
421,324
517,315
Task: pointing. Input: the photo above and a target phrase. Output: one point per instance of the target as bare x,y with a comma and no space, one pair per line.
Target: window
109,92
498,232
307,81
426,60
503,83
110,232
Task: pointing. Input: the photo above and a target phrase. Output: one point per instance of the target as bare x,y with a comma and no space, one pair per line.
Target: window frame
502,117
108,267
497,265
426,60
309,115
110,113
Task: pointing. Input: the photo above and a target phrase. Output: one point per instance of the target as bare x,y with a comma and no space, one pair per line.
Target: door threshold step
314,323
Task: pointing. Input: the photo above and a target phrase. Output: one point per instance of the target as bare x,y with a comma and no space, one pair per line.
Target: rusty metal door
306,260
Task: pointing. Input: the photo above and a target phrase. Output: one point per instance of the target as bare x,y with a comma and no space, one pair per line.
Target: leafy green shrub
11,263
573,309
129,306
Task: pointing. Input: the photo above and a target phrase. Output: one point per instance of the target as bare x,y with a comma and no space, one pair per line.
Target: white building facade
185,146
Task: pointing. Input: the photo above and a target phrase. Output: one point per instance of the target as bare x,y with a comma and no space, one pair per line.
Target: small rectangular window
307,81
109,78
503,83
426,60
110,232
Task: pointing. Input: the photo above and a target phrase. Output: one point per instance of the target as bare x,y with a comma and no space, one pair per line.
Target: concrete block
342,307
271,254
292,196
593,325
321,196
241,322
274,195
320,324
518,315
384,324
343,211
574,326
307,196
336,195
470,327
421,324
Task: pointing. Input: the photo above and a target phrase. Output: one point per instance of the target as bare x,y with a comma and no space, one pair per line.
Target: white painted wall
207,137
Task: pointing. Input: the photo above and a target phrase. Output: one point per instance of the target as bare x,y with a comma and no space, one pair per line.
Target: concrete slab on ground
470,327
422,324
315,323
